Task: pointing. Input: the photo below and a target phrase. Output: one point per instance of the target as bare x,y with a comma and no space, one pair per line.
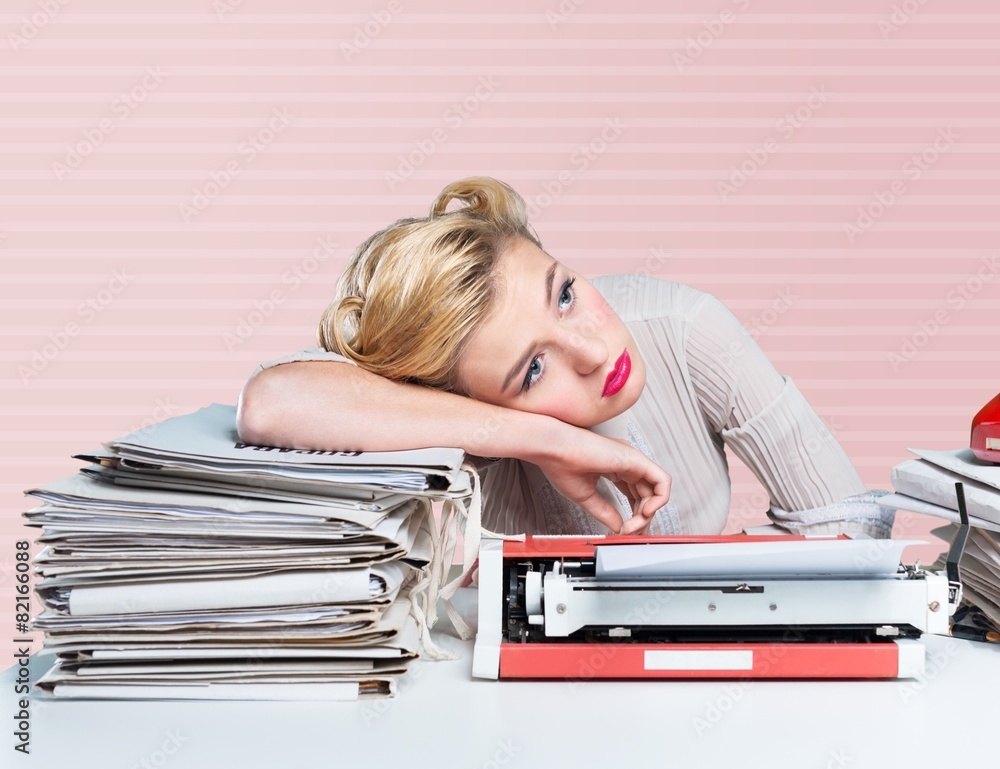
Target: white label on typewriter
698,660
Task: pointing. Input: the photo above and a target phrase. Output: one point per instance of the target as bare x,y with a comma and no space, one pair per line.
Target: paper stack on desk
927,485
184,564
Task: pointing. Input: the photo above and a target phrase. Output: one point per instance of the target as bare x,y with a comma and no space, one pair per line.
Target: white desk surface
442,717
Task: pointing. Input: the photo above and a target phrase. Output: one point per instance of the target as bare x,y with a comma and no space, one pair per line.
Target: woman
571,396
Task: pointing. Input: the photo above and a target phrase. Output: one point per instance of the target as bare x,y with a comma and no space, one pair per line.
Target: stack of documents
185,564
927,485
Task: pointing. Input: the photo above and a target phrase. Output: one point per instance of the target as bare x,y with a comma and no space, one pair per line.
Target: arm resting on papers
316,404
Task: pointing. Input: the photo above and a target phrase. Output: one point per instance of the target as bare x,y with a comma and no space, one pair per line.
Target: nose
586,348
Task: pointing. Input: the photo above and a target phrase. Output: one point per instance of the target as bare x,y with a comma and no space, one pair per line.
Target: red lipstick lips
616,379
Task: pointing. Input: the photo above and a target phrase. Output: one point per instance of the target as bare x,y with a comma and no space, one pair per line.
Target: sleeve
310,353
765,420
510,505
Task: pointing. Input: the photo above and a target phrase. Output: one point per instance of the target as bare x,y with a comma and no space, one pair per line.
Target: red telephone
985,438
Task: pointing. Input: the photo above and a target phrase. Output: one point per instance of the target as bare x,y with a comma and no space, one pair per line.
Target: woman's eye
535,368
534,372
566,293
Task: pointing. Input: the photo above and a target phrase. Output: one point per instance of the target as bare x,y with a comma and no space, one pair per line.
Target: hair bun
481,194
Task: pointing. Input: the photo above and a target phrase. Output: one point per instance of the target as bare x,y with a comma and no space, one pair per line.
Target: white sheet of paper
212,429
85,492
282,589
922,479
963,462
121,475
339,691
905,502
724,560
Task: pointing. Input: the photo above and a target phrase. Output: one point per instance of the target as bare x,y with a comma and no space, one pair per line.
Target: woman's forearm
337,406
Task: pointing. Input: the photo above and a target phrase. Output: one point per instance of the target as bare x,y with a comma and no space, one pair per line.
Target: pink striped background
158,104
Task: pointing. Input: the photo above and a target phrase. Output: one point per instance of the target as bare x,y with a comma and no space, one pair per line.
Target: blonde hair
412,294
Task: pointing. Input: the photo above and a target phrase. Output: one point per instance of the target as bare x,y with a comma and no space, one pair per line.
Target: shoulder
636,297
309,353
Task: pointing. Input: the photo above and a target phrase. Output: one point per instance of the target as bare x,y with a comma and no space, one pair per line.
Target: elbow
251,411
277,406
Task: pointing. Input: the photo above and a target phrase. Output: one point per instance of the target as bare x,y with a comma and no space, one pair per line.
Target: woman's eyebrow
546,303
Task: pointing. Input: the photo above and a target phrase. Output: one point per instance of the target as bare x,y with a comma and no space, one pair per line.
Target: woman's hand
577,458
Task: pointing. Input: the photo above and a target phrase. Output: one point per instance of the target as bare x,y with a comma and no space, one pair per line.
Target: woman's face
552,346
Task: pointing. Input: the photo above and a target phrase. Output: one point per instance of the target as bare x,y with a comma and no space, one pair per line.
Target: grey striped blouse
708,386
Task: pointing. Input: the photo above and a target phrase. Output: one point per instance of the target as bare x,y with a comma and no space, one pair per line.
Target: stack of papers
927,485
184,564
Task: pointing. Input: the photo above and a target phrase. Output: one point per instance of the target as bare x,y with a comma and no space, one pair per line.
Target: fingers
649,478
649,495
635,525
628,489
636,499
638,524
646,485
598,507
659,494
